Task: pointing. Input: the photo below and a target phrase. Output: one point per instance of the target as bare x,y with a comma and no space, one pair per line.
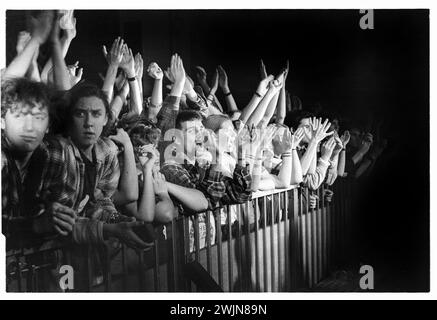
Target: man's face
89,118
193,134
305,124
25,128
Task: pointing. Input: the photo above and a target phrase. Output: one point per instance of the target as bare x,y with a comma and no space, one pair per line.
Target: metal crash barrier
274,243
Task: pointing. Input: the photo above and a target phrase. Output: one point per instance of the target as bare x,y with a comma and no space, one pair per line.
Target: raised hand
214,83
297,138
139,65
154,71
319,129
68,23
223,79
56,30
115,56
264,85
128,61
367,140
283,143
345,137
22,40
286,70
147,152
262,70
338,145
159,183
121,137
42,25
176,70
75,77
327,148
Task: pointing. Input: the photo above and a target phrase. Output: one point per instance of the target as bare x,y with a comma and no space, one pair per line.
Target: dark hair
292,120
187,115
23,90
70,99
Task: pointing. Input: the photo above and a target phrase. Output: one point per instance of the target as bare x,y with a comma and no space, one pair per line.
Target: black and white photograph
215,150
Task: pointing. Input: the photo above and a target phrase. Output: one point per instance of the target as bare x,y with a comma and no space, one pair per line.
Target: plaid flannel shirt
218,189
65,179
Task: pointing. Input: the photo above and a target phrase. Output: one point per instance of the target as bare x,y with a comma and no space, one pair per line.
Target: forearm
164,209
270,111
358,156
108,83
60,71
308,157
156,98
281,107
256,175
146,208
260,110
21,63
192,199
33,72
136,100
248,110
296,170
229,99
128,183
285,171
341,163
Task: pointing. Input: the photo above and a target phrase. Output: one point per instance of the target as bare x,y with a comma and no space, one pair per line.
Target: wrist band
258,94
286,154
228,94
131,79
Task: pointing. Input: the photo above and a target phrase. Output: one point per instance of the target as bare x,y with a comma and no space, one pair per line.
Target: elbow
296,180
165,213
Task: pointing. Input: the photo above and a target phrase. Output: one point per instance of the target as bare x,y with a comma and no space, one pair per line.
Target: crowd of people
92,162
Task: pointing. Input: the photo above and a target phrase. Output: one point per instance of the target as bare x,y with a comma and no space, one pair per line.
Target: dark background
382,72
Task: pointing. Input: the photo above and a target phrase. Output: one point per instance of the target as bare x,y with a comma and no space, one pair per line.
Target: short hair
187,115
292,120
82,90
23,90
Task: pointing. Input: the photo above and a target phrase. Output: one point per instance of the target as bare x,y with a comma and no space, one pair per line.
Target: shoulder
107,147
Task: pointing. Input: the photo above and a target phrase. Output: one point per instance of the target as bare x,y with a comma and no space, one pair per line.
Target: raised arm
342,157
224,85
296,171
128,184
61,76
260,111
65,41
114,58
139,69
128,65
155,72
256,98
318,132
41,27
281,109
201,78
